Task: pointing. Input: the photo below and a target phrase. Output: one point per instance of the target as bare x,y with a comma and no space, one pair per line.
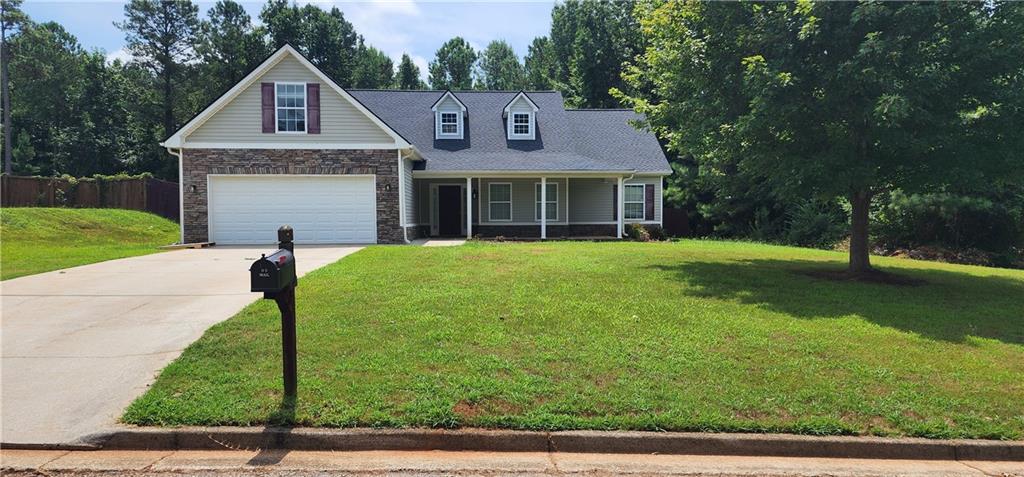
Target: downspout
181,194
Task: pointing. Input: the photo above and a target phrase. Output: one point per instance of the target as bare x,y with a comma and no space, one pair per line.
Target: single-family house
287,145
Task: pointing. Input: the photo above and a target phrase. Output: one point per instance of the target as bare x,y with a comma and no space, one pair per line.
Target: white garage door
321,209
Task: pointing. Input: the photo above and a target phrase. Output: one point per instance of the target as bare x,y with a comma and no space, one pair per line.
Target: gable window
633,204
449,124
290,107
499,201
552,201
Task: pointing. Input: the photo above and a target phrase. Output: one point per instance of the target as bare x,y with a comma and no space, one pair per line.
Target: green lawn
696,335
36,240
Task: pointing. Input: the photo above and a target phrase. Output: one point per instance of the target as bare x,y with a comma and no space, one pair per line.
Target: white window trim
536,200
305,108
440,134
490,200
642,202
511,126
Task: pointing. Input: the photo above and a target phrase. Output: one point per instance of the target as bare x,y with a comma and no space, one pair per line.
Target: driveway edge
606,442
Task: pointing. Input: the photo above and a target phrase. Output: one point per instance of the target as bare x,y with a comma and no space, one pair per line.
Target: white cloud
121,54
421,63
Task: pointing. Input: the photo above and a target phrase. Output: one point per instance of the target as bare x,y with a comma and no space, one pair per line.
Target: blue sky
415,27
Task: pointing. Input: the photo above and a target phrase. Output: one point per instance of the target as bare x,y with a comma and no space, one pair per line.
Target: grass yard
695,335
36,240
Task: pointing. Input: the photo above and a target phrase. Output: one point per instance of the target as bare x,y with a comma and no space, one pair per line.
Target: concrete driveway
80,344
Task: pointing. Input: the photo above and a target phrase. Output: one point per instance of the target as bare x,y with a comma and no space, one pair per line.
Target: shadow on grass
948,306
280,424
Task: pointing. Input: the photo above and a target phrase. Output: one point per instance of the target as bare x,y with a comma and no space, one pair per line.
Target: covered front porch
534,207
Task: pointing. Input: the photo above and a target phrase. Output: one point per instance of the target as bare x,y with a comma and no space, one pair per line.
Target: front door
449,211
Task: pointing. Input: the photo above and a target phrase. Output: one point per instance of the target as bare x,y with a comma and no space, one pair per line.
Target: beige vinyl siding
240,120
590,200
523,200
408,193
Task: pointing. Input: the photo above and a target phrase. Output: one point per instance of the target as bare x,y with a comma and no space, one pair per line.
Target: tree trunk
5,103
860,261
168,103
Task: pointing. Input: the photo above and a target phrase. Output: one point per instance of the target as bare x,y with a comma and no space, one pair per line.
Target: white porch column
543,207
618,206
469,207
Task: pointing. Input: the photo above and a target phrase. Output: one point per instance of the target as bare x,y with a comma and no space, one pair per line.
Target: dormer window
449,117
449,124
522,125
520,116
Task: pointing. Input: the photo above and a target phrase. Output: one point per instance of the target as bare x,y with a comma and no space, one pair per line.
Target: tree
11,19
591,41
539,65
837,99
283,22
500,68
327,39
229,47
452,67
409,74
162,36
373,70
46,79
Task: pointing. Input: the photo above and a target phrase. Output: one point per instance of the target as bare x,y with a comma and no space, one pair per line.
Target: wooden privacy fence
136,193
676,222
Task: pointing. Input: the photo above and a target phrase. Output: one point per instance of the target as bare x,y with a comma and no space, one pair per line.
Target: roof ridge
598,109
453,90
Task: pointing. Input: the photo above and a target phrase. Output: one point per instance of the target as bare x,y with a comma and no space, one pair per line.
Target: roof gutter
534,173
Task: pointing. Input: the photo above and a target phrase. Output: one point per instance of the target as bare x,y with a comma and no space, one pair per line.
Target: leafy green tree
283,23
500,68
452,67
836,100
539,65
229,47
374,69
46,83
11,19
591,41
162,36
409,74
326,38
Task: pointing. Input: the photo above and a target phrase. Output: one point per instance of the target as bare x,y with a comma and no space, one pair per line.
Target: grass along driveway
696,335
36,240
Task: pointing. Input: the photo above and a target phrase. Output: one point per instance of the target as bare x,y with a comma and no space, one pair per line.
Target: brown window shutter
267,90
615,202
313,108
648,201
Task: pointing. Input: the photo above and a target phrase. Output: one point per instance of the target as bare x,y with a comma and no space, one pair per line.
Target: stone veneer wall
197,163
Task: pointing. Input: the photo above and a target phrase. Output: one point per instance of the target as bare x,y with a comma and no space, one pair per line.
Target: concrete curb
610,442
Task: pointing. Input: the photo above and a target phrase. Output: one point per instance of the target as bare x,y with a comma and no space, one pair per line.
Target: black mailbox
273,273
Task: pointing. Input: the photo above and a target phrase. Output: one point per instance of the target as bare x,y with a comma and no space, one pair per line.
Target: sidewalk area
276,462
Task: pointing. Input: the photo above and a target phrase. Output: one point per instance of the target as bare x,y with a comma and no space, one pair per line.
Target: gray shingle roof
567,140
